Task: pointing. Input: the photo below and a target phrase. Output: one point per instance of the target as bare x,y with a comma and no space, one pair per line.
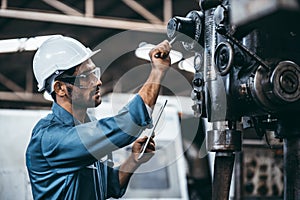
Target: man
65,148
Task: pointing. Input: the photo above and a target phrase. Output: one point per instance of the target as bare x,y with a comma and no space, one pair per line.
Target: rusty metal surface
222,176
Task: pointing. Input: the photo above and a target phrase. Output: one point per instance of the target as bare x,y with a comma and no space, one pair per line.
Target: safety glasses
85,80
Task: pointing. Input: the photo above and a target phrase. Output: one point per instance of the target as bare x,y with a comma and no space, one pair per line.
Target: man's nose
99,82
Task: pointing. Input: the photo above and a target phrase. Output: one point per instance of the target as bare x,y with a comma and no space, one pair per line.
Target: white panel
16,126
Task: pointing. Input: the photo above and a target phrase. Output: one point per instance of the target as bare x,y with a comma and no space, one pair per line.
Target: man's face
86,91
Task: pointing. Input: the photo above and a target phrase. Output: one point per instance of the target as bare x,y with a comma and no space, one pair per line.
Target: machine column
289,129
292,168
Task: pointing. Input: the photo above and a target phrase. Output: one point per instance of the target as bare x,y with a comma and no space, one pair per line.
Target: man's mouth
97,92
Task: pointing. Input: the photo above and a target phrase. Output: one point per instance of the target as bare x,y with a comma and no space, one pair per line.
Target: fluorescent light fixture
187,64
22,44
144,48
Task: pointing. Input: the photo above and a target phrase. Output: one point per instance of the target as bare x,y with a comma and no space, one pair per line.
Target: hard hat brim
94,52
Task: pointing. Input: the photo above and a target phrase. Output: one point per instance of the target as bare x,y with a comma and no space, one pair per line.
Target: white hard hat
58,53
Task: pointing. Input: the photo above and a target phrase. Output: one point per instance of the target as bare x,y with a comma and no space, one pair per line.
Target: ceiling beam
3,4
89,8
10,84
23,97
168,14
142,11
63,7
83,21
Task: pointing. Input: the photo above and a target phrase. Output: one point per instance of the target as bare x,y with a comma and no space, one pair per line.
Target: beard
96,96
82,98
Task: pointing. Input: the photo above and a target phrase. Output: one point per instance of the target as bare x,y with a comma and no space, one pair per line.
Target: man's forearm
126,170
150,90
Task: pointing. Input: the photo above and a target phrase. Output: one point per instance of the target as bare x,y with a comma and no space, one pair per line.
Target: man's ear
60,88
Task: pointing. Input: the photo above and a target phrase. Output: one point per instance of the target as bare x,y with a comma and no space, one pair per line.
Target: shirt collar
66,117
63,115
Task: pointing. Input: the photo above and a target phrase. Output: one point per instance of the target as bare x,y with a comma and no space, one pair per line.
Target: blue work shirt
63,156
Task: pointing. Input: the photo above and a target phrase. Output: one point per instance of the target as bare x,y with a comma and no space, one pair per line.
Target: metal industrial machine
247,68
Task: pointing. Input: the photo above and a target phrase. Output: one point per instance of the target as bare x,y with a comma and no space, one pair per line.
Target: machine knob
224,57
278,87
198,82
180,25
285,81
187,29
289,82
